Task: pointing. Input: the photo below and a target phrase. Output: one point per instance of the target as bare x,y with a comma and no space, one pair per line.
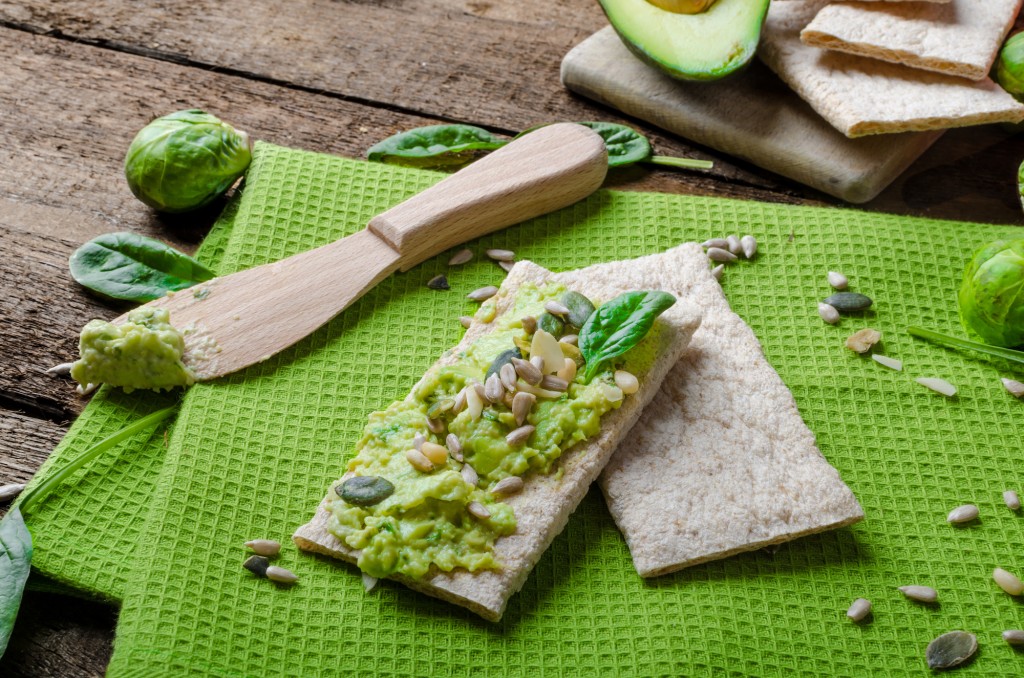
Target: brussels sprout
184,160
1010,66
991,296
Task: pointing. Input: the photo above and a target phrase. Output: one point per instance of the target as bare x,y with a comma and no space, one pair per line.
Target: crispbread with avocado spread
550,494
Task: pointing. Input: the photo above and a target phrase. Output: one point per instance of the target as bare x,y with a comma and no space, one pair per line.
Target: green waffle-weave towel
250,456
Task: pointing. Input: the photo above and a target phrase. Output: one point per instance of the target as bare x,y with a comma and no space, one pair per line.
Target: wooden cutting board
752,116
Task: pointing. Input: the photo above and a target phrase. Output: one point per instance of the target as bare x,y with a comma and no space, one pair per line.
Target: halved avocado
706,45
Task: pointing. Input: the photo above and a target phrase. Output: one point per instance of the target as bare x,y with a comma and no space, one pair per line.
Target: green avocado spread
143,352
426,521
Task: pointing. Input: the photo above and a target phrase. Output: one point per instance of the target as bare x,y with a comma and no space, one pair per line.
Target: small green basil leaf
434,146
15,562
619,325
135,268
625,145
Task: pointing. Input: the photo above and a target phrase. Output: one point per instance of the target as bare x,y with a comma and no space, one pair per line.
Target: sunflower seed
732,243
837,280
85,389
522,403
539,392
922,594
828,313
419,461
1012,500
369,582
951,649
720,243
861,341
719,254
568,372
454,447
469,475
477,509
553,383
848,301
507,486
508,377
264,547
749,245
493,390
1014,637
1008,581
439,282
962,514
9,492
482,293
281,575
717,272
529,324
520,435
466,320
474,403
573,339
891,363
529,372
507,266
435,425
480,391
556,308
938,385
501,255
60,370
460,402
437,454
627,382
257,565
463,256
1015,388
538,361
860,609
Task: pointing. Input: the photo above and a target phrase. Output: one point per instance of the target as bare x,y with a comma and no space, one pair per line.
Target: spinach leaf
434,146
619,325
625,145
15,562
135,268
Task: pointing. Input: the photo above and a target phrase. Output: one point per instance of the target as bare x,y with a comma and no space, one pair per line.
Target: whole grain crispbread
861,96
959,38
543,507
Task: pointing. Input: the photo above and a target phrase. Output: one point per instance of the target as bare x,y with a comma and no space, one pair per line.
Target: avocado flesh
705,46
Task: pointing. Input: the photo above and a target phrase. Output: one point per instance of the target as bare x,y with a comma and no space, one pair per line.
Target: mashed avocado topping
437,516
143,352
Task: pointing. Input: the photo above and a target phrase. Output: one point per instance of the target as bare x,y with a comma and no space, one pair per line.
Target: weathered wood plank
25,443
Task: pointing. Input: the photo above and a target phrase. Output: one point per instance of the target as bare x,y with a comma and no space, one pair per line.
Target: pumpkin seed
962,514
518,436
580,309
527,371
418,461
550,324
365,490
828,313
508,377
477,509
1015,388
1008,581
9,492
522,403
369,582
257,565
849,301
718,271
732,243
439,282
501,255
553,383
861,341
922,594
1012,500
627,382
502,359
493,390
463,256
507,486
721,255
466,321
938,385
439,407
1014,637
860,609
749,245
507,266
951,649
838,280
60,370
281,575
469,475
556,308
437,454
454,447
264,547
529,324
891,363
720,243
482,293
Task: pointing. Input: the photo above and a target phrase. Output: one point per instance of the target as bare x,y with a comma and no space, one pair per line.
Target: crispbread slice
861,96
959,38
543,507
720,462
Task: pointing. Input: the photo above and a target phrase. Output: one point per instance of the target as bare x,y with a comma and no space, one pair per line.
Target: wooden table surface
79,78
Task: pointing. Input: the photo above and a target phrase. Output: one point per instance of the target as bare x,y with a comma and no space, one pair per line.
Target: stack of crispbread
888,66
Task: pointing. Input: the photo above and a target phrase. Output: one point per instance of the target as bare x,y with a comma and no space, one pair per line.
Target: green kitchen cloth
250,456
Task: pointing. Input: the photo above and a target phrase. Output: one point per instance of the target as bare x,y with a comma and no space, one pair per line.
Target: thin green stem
956,342
40,490
685,163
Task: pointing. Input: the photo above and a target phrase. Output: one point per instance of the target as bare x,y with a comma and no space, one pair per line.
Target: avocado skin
642,26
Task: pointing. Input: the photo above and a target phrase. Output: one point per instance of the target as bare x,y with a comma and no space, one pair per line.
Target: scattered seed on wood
9,492
419,461
507,486
556,308
257,565
863,340
848,301
507,266
466,320
522,403
938,385
369,582
568,372
508,377
951,649
963,514
732,243
519,436
1015,388
529,372
86,389
60,370
463,256
627,382
720,243
860,609
437,454
721,255
501,255
573,339
469,475
828,313
922,594
891,363
838,280
529,324
718,271
1012,500
1014,636
439,282
482,293
435,425
281,575
1008,581
553,383
264,547
749,245
477,509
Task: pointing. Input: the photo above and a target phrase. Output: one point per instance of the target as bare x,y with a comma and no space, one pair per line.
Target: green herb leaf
619,325
434,146
625,145
135,268
957,342
15,562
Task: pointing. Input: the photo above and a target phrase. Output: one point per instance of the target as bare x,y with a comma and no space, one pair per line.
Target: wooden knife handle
543,171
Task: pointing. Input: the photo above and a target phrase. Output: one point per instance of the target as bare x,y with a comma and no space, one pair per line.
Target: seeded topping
922,594
363,491
719,254
419,461
482,293
501,255
556,308
507,486
454,446
951,649
463,256
478,510
520,435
